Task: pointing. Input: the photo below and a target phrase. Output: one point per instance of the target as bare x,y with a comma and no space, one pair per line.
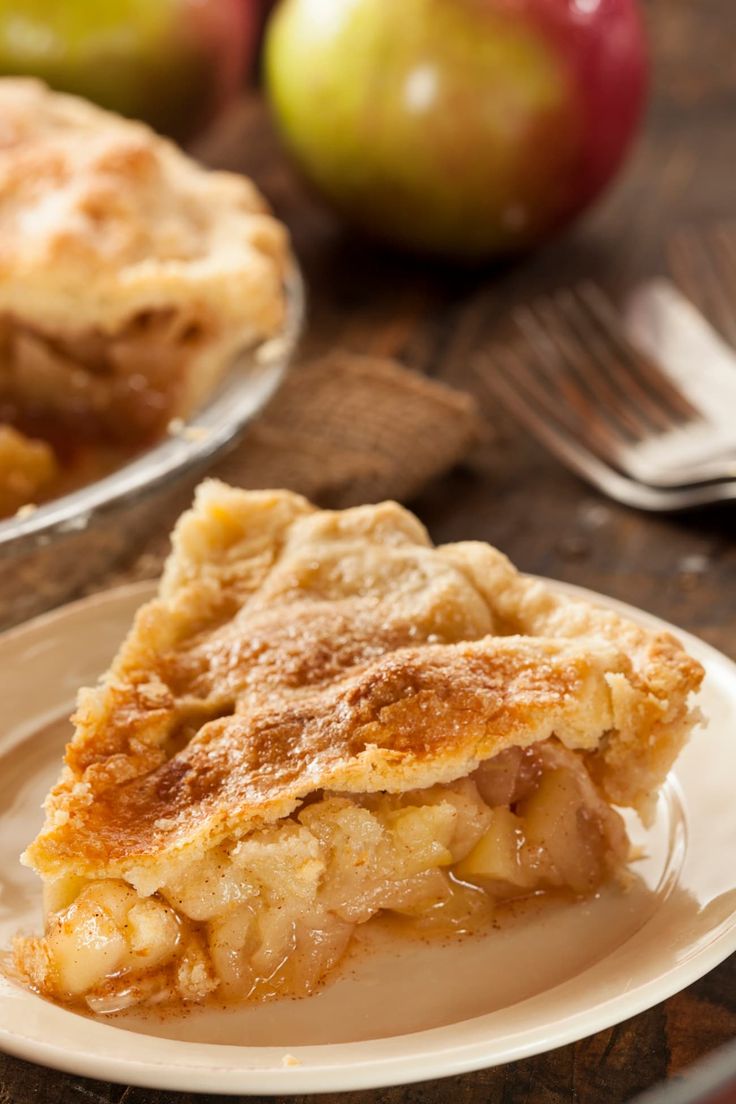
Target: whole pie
320,718
129,275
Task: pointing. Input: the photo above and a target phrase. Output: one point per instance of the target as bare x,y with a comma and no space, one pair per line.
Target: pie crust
322,716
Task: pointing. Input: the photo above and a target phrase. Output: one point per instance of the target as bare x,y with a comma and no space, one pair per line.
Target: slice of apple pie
320,717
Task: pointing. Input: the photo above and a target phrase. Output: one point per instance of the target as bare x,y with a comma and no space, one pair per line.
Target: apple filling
79,404
122,387
271,913
27,468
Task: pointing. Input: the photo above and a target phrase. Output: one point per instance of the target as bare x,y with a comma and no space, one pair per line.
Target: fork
582,377
591,397
535,416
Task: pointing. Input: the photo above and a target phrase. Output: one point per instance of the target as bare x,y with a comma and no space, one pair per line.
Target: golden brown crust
651,705
293,650
104,226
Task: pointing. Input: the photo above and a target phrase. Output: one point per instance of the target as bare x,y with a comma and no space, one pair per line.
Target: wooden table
517,497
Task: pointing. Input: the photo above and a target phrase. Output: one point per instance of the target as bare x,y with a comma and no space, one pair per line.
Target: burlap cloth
343,430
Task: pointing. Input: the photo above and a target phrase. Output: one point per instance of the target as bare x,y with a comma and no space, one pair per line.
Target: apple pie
129,275
320,718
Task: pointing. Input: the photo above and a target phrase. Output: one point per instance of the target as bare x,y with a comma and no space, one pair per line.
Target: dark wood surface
517,497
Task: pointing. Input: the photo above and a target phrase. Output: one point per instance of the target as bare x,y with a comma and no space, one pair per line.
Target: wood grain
514,495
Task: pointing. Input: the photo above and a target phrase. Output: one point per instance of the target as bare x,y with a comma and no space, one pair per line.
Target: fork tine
632,368
725,232
581,423
642,417
521,390
608,420
567,365
535,379
503,382
724,248
552,360
704,266
684,262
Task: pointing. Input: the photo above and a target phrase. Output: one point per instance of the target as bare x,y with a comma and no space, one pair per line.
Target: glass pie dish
51,552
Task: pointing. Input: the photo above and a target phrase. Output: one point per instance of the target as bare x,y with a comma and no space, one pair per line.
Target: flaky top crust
292,650
101,219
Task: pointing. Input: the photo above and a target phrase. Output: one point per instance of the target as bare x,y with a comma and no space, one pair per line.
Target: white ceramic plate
396,1014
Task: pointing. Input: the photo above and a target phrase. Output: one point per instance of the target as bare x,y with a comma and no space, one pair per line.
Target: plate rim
422,1062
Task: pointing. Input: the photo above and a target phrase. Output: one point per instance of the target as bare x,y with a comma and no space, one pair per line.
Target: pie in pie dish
322,717
129,275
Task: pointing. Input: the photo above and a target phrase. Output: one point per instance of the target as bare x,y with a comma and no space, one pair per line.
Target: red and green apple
462,127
